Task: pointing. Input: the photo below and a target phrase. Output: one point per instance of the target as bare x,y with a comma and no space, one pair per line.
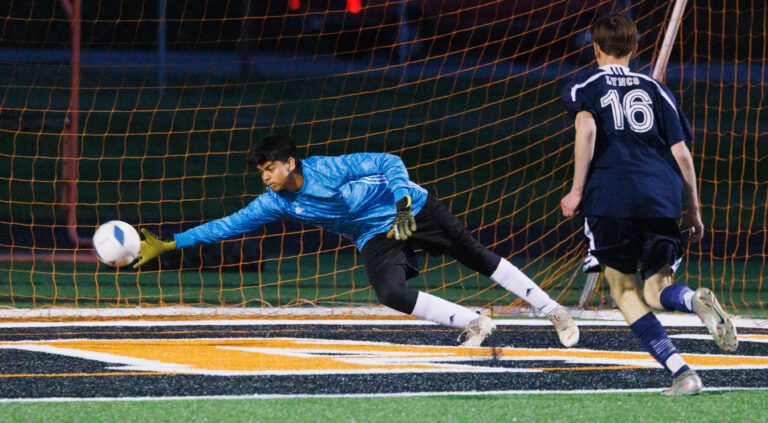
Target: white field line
326,315
667,319
196,312
742,337
378,395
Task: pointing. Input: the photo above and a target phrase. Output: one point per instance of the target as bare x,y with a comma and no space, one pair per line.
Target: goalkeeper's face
278,175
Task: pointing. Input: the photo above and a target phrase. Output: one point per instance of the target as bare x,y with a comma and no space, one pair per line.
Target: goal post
70,173
659,68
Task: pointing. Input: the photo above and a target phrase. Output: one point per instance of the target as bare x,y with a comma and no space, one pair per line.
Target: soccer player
368,198
632,170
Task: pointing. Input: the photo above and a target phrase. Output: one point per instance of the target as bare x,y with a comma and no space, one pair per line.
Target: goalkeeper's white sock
438,310
512,279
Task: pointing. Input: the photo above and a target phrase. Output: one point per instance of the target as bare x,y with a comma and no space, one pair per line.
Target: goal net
143,111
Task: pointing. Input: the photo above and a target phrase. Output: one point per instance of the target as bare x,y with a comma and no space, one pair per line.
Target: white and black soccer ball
116,243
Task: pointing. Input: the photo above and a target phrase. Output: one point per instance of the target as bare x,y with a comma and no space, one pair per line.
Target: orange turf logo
294,356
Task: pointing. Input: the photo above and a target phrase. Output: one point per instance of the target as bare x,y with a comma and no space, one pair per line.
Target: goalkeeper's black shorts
438,232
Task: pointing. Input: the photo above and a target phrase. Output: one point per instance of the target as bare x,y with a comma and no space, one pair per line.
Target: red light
294,4
354,6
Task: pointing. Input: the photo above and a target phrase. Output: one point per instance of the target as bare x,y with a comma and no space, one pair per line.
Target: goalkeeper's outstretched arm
263,209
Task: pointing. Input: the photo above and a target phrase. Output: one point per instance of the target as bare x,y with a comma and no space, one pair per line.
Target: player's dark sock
655,340
677,297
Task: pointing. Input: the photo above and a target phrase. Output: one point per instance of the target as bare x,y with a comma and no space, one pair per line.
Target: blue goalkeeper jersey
352,195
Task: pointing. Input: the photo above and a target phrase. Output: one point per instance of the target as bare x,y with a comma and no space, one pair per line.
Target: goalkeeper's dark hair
615,34
270,148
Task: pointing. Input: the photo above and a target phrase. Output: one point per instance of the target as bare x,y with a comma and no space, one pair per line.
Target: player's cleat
718,322
566,328
688,383
477,331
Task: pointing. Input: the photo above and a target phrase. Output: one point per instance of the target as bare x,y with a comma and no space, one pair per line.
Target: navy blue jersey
633,172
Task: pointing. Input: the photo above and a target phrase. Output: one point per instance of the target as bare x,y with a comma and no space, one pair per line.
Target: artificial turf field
367,370
626,407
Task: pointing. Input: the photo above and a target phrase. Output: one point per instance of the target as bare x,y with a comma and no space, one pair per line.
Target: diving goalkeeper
368,198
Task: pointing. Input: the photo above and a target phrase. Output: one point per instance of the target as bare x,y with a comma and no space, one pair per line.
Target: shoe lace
468,332
558,319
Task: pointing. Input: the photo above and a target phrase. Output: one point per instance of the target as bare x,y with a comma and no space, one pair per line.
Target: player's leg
389,263
440,232
718,322
389,284
512,279
623,287
617,244
391,290
651,333
662,253
661,294
473,255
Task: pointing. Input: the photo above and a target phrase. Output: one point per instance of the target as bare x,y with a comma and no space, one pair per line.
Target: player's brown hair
615,34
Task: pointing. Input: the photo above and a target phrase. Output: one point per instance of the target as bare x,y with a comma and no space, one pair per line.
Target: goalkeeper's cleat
477,331
718,322
566,328
688,383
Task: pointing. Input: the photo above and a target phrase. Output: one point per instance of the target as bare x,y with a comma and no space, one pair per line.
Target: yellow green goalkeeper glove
404,225
151,247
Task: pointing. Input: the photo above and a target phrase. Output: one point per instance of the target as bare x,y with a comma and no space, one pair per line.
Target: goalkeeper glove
404,225
151,247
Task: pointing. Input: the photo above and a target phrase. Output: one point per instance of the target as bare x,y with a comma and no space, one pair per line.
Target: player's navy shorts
438,232
625,243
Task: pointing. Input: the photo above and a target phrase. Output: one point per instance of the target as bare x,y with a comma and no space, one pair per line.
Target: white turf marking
198,311
392,395
375,315
742,338
125,363
667,319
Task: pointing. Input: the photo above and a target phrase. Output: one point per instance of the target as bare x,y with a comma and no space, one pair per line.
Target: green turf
736,406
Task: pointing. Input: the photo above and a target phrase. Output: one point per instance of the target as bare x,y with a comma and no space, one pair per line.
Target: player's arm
260,211
584,149
354,166
684,160
677,132
359,165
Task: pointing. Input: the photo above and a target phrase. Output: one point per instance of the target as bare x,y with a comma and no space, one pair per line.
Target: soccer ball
116,243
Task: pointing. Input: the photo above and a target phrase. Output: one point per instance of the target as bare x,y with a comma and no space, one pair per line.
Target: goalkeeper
368,198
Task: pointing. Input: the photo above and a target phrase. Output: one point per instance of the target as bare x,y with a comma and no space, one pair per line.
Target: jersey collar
616,69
